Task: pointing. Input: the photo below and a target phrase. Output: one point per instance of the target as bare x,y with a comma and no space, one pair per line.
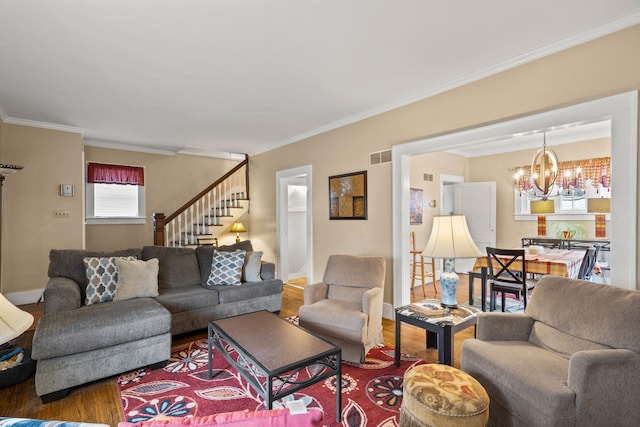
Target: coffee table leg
210,351
339,389
397,352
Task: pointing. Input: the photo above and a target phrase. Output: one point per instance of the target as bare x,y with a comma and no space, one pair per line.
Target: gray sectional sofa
75,343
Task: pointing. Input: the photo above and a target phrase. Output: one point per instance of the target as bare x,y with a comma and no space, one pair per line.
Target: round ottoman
441,396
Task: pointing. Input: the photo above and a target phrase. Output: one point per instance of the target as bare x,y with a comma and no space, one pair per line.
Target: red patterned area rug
371,392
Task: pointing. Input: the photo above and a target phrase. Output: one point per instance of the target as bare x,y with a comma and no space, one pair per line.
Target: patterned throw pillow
102,274
226,268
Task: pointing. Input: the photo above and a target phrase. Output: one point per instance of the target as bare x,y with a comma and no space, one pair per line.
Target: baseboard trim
25,297
388,312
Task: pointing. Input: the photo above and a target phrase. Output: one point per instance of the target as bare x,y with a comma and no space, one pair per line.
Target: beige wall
29,231
170,182
496,168
600,68
436,164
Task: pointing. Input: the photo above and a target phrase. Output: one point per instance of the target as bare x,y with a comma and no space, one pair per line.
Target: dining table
559,262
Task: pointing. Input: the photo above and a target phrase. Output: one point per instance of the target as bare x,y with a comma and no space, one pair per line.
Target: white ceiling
246,76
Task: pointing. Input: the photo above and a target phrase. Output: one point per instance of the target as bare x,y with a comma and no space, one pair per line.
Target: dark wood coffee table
440,323
274,348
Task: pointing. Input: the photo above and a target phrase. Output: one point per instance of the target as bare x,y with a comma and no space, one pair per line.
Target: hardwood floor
98,402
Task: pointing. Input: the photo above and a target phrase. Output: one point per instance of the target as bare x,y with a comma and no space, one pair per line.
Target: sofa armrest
606,389
267,270
315,292
503,327
372,305
61,294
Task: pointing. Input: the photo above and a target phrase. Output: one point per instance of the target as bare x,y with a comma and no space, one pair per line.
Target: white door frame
621,109
282,220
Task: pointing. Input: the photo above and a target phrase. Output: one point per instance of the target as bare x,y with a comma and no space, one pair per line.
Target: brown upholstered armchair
346,307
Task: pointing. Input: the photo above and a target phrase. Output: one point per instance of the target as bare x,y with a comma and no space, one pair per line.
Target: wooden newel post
158,228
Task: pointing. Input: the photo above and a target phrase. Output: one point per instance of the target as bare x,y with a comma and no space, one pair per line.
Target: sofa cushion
581,303
246,291
136,279
346,293
68,262
102,278
252,266
178,266
98,326
226,268
187,298
205,255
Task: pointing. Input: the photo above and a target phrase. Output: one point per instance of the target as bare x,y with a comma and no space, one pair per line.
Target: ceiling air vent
380,157
428,177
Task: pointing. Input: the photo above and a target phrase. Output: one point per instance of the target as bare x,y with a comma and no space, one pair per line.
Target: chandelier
541,182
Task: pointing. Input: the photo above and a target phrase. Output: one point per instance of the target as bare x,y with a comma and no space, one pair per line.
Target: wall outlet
61,214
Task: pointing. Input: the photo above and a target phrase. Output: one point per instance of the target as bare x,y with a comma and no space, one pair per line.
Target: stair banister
160,220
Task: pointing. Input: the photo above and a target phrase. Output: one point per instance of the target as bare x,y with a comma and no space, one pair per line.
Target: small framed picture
415,205
348,196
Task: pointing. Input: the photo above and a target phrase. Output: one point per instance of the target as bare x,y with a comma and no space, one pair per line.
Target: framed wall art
348,196
415,205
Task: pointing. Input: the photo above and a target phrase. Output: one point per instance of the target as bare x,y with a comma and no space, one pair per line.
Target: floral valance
576,172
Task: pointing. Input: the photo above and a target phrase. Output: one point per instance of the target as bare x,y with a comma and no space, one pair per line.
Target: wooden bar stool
418,260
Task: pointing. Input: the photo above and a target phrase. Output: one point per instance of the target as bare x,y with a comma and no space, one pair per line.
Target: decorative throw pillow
251,268
102,275
226,268
137,279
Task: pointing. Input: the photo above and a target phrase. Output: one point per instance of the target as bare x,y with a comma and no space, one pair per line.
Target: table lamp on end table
450,239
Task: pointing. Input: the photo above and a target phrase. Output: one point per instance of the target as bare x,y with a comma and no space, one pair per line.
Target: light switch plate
67,190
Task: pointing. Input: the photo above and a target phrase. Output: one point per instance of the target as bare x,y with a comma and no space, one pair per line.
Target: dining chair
418,261
588,262
503,277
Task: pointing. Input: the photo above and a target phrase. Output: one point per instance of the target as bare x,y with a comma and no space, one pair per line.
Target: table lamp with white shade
450,239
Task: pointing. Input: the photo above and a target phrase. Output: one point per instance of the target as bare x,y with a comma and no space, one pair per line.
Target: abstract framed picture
415,205
348,196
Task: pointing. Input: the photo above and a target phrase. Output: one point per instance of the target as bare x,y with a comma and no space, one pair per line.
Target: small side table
439,322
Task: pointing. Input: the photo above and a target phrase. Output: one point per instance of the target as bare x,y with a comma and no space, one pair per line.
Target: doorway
621,109
294,223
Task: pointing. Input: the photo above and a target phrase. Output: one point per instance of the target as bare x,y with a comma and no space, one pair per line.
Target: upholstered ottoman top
441,395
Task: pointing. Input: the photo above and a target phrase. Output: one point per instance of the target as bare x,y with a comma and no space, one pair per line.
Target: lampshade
237,227
542,206
450,238
13,321
600,205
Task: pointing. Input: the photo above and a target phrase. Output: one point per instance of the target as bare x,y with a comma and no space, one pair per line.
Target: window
114,194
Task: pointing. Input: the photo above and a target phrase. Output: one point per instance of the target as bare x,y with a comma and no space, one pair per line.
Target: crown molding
549,49
129,147
44,125
165,151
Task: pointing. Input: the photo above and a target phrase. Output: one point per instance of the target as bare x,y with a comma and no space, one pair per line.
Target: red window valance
100,173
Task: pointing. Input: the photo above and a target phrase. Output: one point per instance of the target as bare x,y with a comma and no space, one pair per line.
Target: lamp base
449,284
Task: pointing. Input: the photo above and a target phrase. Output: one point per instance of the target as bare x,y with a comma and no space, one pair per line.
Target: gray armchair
346,307
572,359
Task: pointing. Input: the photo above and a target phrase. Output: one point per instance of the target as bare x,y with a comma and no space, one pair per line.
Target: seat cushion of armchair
335,319
526,373
93,327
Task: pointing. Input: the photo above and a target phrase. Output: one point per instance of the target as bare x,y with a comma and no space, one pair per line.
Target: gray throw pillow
226,268
252,266
102,274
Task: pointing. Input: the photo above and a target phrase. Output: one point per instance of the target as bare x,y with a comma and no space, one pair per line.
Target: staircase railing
189,225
